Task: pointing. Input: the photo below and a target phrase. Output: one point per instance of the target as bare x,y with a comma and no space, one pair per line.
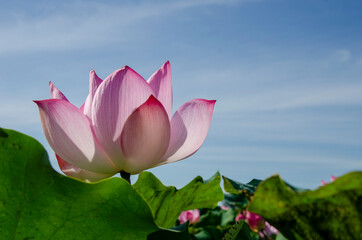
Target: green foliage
38,203
239,231
235,187
216,217
213,223
333,211
220,224
240,193
238,199
179,232
167,203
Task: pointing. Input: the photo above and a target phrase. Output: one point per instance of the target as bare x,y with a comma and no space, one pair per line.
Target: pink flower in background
125,124
224,207
192,216
257,224
333,178
239,217
255,221
268,231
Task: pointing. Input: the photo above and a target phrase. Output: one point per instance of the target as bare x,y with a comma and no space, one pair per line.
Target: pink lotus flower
239,217
268,231
224,207
333,178
192,216
255,221
125,124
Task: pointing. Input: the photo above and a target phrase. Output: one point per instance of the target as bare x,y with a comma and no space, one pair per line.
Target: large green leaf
333,211
167,203
249,188
235,187
240,193
216,217
38,203
179,232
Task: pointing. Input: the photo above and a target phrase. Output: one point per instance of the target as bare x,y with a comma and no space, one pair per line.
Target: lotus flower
193,216
224,207
268,232
239,217
125,125
255,221
333,178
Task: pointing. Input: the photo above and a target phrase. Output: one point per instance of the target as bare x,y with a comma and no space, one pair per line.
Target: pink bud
193,216
223,207
268,232
239,217
255,221
333,178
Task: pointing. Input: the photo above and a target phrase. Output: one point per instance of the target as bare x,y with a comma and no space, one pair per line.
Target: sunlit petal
94,82
70,135
115,99
82,174
189,127
161,84
55,93
145,136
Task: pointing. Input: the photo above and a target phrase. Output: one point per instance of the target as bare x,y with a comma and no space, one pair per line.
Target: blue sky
287,75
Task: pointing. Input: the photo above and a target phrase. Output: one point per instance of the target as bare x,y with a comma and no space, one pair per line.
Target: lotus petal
70,135
116,98
161,84
189,127
76,172
55,93
145,136
94,82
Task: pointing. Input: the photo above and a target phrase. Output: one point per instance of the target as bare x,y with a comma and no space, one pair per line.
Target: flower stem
126,176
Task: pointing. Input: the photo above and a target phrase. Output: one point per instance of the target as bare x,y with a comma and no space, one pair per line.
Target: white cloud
342,55
337,95
275,85
285,96
85,24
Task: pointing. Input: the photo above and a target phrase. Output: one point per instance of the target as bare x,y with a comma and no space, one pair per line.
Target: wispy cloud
343,55
85,24
295,97
274,85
